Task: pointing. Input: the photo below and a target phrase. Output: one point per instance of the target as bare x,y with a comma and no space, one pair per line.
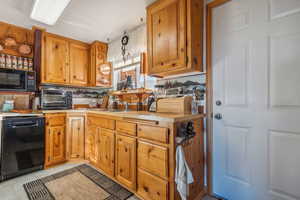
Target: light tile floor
13,189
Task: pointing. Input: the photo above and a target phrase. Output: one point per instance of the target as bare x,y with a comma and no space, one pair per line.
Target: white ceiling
85,20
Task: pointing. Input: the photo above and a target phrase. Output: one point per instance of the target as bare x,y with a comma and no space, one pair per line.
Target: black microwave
17,80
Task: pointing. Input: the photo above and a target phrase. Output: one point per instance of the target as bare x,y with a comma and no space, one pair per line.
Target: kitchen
176,99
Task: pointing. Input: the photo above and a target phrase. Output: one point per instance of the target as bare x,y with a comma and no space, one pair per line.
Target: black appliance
22,145
17,80
56,99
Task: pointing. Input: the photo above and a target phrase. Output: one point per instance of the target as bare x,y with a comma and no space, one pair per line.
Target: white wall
137,44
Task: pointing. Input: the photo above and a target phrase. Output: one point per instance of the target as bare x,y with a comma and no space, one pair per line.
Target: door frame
209,93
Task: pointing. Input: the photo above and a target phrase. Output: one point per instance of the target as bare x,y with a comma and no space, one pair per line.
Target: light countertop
142,115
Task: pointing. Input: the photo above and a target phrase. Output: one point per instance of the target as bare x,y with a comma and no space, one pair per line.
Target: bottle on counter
8,61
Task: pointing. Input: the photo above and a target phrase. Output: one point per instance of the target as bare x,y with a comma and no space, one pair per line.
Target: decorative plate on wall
25,49
10,42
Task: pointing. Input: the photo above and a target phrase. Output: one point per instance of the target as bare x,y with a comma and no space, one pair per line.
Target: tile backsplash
20,101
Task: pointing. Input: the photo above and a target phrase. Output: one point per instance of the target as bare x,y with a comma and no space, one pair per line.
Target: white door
256,81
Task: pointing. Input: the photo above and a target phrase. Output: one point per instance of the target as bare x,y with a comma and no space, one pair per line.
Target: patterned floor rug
80,183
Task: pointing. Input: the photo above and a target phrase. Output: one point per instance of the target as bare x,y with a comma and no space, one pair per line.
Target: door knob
218,116
218,103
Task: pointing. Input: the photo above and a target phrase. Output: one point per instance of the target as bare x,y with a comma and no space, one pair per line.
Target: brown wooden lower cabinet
91,143
153,158
126,160
55,151
75,137
151,187
138,155
106,151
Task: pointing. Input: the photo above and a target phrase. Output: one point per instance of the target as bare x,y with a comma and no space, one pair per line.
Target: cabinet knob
146,189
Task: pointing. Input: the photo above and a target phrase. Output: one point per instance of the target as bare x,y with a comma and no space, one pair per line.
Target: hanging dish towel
183,174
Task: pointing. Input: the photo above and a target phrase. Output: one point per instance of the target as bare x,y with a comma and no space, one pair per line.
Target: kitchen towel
183,174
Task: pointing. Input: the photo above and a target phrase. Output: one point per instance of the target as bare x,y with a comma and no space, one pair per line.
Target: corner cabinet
175,37
64,61
100,70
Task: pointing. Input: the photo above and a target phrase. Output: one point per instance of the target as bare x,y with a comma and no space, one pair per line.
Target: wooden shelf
133,96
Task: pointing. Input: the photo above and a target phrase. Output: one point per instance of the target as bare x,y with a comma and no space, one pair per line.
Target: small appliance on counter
22,144
179,105
55,99
8,106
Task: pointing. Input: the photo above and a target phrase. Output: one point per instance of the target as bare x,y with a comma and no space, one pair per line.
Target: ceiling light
48,11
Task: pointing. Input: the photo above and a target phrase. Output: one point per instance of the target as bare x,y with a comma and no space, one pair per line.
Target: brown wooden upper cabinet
101,70
65,61
175,37
79,64
55,64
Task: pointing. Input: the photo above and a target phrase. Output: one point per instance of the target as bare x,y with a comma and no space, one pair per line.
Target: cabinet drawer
151,187
126,127
153,158
158,134
101,122
55,119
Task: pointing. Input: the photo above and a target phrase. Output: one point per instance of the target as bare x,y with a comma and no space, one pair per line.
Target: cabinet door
106,147
166,21
104,75
79,64
56,60
56,144
75,137
91,144
126,161
98,57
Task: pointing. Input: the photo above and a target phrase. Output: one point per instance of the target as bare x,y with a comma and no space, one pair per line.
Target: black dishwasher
22,145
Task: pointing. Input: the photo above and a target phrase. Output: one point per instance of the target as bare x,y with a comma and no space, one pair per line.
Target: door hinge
187,60
48,158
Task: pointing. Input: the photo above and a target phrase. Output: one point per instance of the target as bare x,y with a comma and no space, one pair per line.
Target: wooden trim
15,93
37,55
209,99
